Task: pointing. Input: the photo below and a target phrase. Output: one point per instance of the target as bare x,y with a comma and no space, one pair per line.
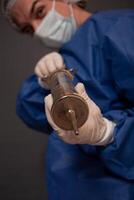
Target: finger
44,70
38,71
58,61
50,65
93,108
70,138
50,120
41,69
48,105
81,91
48,102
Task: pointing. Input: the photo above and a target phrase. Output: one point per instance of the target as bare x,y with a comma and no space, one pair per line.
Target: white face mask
55,29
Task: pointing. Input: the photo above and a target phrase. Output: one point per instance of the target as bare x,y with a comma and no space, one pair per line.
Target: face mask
55,29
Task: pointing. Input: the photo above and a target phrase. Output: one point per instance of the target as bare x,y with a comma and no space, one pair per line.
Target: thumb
48,105
80,89
48,102
93,108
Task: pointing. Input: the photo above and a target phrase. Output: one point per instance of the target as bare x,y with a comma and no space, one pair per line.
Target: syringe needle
73,120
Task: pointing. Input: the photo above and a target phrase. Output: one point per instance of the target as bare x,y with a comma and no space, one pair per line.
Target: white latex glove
96,130
47,65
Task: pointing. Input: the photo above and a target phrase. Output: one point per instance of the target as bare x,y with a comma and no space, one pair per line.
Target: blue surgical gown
102,50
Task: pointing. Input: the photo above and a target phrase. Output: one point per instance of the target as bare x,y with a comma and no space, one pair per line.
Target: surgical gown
102,50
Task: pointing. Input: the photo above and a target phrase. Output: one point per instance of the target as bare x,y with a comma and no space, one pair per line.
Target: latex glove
47,65
96,130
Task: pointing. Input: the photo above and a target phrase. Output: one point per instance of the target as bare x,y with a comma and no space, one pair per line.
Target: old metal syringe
69,110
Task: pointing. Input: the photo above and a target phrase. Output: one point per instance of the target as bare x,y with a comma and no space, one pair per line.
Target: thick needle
73,120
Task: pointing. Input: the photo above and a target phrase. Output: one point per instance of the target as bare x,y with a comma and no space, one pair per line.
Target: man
100,164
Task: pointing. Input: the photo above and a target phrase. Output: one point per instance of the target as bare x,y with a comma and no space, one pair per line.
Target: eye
27,30
40,12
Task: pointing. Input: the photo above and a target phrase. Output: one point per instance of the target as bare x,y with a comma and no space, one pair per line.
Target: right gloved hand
47,65
97,130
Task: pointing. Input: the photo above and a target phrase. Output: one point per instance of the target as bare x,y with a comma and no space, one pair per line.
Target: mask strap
71,10
53,5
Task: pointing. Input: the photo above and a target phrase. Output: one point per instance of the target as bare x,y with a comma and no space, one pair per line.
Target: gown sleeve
119,50
30,105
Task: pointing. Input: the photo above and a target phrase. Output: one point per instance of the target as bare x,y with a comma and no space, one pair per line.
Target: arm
118,156
30,105
30,100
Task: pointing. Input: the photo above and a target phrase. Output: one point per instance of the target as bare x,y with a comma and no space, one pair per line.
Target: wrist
106,132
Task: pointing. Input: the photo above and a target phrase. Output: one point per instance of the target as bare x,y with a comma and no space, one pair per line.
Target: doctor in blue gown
102,50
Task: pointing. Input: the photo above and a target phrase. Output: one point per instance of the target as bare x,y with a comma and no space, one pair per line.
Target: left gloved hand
47,65
96,130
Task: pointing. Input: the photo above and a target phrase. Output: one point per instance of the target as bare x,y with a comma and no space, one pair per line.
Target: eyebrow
33,6
15,21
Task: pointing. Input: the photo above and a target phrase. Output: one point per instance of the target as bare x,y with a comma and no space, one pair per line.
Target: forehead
21,9
21,5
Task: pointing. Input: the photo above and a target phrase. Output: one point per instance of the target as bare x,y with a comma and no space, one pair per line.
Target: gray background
22,151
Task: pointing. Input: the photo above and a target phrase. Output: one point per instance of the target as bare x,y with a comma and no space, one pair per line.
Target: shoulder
97,26
113,14
104,21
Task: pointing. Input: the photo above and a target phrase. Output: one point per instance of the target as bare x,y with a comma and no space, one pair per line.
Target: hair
4,5
6,14
82,4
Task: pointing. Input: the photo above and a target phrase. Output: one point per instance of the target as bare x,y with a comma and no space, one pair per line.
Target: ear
61,0
69,1
72,1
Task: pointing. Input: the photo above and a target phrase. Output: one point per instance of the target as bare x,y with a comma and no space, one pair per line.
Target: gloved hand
47,65
96,130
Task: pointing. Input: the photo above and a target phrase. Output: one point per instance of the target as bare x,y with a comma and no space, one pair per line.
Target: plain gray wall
22,151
